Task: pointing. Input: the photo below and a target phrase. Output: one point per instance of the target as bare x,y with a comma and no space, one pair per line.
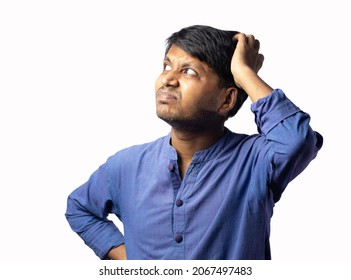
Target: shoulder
140,150
234,140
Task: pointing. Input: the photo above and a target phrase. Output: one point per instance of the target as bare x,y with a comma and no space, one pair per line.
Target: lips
164,96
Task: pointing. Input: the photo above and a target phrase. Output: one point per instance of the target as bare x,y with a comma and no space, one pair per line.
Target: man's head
211,49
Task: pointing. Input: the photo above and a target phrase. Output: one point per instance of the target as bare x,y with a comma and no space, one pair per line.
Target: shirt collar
202,155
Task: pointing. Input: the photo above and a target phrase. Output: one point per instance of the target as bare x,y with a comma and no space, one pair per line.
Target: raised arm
288,142
246,62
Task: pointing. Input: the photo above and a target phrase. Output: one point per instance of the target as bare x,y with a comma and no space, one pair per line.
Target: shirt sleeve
87,209
291,142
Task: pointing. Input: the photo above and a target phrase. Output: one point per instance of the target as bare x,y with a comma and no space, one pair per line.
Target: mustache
169,91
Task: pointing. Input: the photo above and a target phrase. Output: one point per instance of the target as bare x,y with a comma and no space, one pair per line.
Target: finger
257,45
240,37
250,40
260,59
259,62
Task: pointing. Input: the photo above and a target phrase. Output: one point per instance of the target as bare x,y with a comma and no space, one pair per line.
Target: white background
77,85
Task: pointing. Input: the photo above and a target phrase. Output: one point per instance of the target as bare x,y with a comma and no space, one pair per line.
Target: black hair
213,46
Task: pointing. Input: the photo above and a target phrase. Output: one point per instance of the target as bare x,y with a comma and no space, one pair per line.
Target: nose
170,79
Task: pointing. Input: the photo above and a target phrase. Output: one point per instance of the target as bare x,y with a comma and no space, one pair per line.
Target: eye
167,67
190,71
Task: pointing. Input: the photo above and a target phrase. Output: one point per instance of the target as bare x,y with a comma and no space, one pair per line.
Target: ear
228,101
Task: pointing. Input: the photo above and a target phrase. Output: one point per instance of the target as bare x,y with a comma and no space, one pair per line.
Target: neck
188,143
191,142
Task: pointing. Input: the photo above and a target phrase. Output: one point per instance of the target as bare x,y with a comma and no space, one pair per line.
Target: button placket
179,220
170,166
178,238
179,202
179,211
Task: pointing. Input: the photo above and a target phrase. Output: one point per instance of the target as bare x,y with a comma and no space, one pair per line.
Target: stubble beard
200,121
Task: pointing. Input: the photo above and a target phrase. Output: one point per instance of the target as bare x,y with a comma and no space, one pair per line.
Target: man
201,192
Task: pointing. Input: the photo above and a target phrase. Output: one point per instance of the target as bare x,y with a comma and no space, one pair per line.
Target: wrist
118,253
243,76
252,84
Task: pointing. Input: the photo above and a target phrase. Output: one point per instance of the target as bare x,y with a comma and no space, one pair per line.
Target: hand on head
246,56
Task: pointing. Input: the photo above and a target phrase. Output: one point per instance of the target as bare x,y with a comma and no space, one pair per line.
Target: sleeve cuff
271,110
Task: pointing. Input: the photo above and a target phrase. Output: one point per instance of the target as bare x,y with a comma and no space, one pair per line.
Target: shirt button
179,238
170,167
179,202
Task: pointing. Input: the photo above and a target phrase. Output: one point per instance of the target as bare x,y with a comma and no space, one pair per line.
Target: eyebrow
185,64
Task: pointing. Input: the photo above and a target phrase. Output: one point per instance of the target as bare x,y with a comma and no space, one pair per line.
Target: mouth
165,97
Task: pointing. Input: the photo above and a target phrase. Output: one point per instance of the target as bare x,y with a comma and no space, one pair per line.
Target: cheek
197,95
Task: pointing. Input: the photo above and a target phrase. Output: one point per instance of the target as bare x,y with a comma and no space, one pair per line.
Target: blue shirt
222,207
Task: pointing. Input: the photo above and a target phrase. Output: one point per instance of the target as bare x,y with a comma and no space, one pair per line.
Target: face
187,92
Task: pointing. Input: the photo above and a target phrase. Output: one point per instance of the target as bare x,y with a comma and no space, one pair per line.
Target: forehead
177,55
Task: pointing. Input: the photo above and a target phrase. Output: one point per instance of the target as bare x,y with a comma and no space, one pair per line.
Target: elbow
303,151
307,146
73,214
304,142
70,212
